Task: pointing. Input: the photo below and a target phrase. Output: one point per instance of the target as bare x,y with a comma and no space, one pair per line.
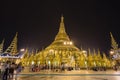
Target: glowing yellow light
32,62
65,43
71,43
49,62
111,52
22,50
84,51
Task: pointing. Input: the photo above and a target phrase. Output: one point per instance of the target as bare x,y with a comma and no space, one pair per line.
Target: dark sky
87,22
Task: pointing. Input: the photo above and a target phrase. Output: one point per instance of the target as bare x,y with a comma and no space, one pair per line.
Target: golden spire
104,56
62,19
26,54
114,44
13,46
89,52
62,35
1,46
62,39
99,55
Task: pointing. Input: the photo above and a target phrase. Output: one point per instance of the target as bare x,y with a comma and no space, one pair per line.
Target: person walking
2,70
6,72
11,70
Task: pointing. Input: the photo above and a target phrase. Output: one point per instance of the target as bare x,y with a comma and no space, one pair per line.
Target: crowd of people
37,68
9,70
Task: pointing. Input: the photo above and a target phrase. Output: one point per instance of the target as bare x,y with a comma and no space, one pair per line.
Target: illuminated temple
63,52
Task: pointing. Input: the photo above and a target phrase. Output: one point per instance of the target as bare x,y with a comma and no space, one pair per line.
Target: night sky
88,22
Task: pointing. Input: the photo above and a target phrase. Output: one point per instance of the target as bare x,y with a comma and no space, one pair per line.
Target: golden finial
62,18
110,33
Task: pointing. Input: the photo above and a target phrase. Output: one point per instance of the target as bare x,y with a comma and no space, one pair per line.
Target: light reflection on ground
71,75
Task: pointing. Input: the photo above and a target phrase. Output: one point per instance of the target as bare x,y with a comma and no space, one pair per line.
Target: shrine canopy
8,55
11,51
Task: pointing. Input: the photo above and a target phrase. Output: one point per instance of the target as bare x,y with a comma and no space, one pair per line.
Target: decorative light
111,52
32,62
65,43
68,43
71,43
84,51
49,62
22,50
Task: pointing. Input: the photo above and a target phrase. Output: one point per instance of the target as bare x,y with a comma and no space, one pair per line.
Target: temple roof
114,44
12,49
9,55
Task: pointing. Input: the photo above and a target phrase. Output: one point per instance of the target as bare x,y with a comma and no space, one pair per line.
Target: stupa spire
62,35
62,18
1,46
13,46
62,26
114,44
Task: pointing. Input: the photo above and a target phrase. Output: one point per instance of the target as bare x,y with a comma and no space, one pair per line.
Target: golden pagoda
61,50
63,53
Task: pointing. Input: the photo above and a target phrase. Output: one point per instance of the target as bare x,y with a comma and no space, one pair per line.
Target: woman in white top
3,68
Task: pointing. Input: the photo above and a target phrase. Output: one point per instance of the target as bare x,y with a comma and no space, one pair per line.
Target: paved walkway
70,75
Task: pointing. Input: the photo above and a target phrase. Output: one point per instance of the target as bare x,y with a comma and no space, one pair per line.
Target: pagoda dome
62,40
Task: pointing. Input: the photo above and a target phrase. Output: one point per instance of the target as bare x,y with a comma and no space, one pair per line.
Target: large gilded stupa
63,53
61,50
